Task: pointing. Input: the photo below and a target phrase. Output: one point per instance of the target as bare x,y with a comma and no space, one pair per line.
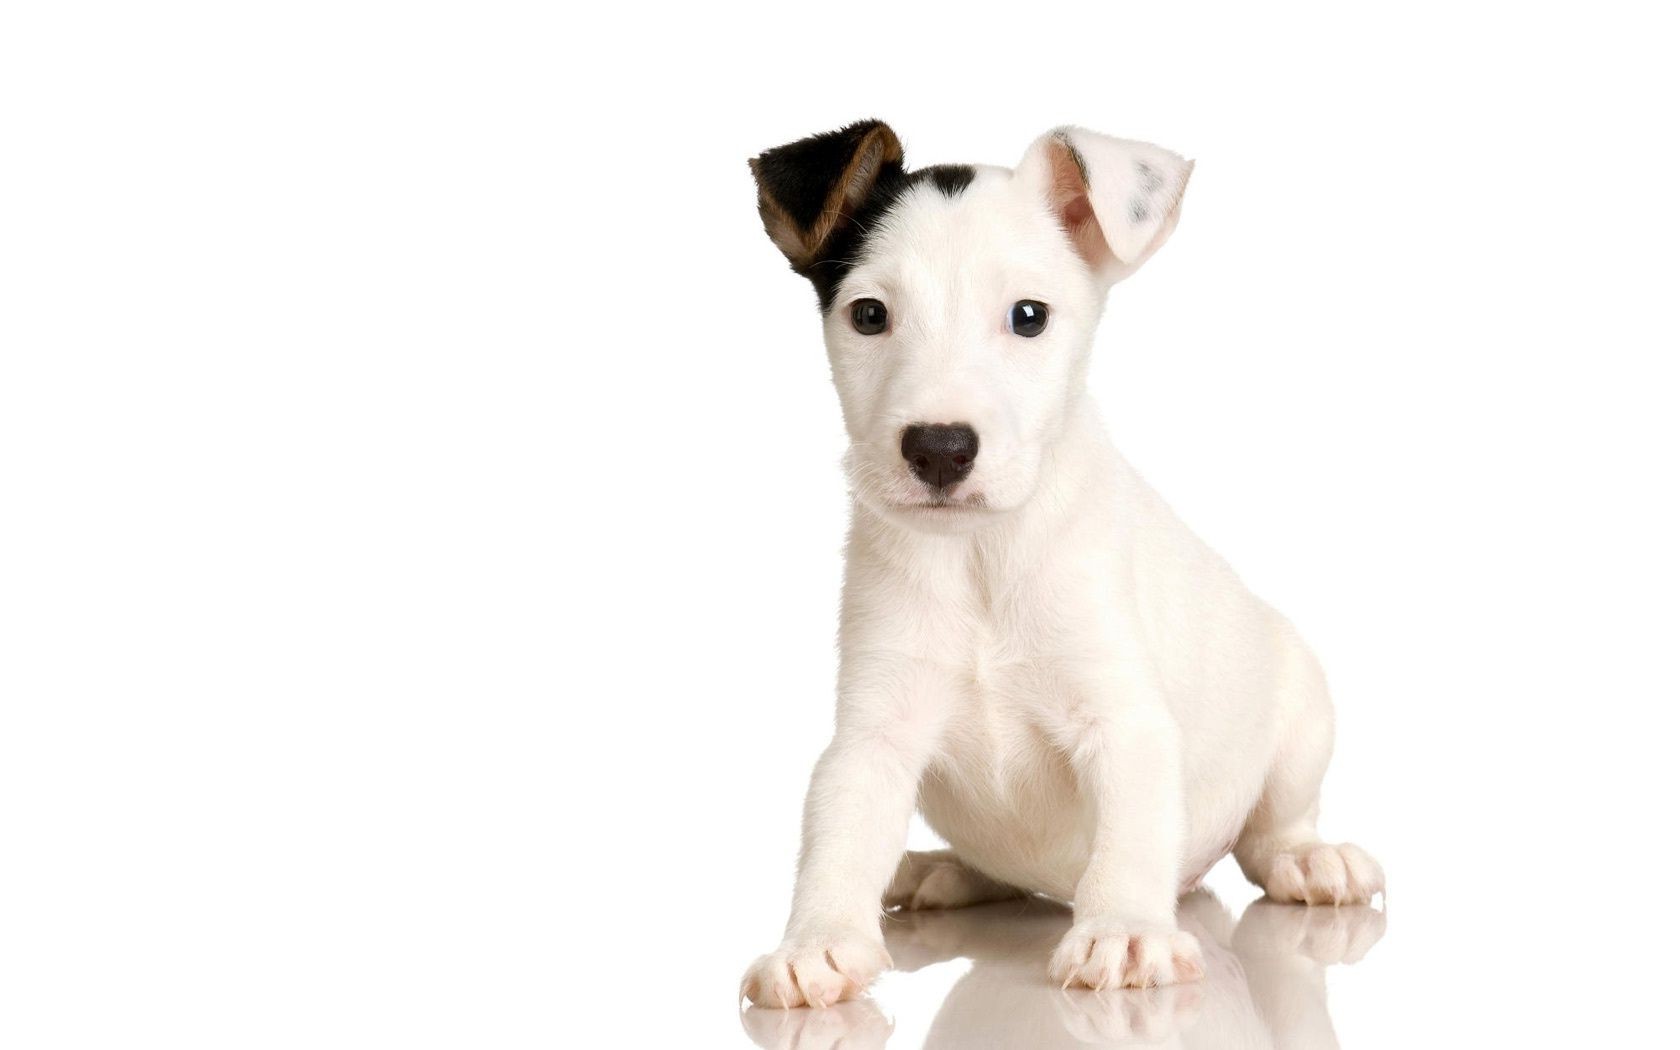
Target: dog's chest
998,790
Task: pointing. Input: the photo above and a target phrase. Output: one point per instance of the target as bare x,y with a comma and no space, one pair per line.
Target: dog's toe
1100,956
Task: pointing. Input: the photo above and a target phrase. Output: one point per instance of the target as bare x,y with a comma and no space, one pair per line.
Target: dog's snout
941,454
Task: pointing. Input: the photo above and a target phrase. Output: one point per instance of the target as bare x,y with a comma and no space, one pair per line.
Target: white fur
1082,698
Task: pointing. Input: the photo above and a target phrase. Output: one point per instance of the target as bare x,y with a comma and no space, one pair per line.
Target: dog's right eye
1028,318
869,316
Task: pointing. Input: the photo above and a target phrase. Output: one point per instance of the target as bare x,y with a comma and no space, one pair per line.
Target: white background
420,510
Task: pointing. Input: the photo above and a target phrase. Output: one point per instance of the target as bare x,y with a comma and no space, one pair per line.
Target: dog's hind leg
1279,848
937,879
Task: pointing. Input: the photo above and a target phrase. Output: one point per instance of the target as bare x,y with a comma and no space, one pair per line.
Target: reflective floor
1265,985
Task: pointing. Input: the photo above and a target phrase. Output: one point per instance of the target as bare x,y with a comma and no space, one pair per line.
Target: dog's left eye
869,316
1028,317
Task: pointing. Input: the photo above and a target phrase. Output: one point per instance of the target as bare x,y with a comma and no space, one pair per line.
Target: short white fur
1079,695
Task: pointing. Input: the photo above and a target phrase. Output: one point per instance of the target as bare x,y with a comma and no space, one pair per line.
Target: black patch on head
800,178
846,246
841,252
1140,209
951,179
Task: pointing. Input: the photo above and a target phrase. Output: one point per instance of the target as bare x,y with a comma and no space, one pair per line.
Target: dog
1079,695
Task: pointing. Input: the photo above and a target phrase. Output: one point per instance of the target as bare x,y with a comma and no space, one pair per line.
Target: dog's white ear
1117,199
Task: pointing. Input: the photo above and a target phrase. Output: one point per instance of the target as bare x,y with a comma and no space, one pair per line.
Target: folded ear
1117,199
807,187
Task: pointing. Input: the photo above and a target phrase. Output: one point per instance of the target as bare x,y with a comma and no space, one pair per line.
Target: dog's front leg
1126,756
857,816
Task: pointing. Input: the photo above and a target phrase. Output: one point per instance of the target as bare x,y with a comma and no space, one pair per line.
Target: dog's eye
1028,317
869,316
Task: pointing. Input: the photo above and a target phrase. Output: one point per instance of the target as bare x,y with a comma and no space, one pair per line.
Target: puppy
1078,694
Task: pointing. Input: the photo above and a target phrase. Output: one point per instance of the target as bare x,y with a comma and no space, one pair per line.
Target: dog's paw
1320,873
855,1025
938,880
942,884
1108,955
816,972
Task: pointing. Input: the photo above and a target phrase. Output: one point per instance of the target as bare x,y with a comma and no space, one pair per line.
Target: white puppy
1080,696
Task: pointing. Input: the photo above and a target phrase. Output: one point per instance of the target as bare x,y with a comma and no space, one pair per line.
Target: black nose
941,454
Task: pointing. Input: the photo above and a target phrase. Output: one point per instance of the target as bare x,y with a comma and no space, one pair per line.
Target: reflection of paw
1319,873
1015,930
1324,935
855,1025
1134,1014
817,972
1106,955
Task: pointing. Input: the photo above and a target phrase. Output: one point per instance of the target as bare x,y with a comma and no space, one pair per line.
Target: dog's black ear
806,188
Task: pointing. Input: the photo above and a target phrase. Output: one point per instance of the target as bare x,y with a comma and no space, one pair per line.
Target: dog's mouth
941,505
888,489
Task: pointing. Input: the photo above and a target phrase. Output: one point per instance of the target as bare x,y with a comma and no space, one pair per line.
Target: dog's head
959,301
